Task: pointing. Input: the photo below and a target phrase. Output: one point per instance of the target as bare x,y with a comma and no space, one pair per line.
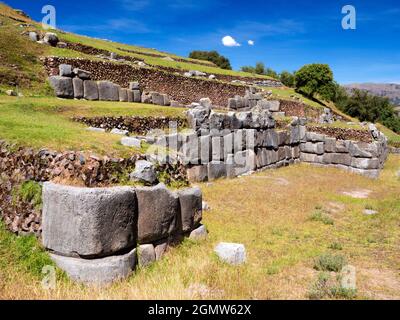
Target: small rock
141,64
113,56
167,59
144,172
62,45
96,129
11,93
370,212
231,253
119,132
131,142
146,255
211,77
51,39
82,74
199,234
33,36
358,194
205,206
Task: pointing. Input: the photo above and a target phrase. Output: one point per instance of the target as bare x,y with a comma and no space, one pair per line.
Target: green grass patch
330,262
320,216
29,191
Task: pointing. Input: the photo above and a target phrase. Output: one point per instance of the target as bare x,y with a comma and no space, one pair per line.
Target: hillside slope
389,90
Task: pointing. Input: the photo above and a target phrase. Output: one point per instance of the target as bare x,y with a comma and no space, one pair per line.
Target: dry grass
272,219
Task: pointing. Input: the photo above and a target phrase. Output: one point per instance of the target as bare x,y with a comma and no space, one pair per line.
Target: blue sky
286,34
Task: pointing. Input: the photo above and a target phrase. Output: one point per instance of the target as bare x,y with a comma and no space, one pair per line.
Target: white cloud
250,43
228,41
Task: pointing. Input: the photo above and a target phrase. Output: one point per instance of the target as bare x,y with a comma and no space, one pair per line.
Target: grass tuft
329,262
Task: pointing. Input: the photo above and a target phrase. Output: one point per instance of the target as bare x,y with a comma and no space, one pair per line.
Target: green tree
314,79
260,68
212,56
287,78
248,69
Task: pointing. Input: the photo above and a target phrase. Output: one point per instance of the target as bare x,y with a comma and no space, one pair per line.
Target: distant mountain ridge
389,90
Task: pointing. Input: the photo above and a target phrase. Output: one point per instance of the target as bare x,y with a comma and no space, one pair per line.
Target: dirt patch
380,284
343,133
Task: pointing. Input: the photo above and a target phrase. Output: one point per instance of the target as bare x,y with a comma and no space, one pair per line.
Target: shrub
315,79
329,262
335,246
287,78
320,216
212,56
328,287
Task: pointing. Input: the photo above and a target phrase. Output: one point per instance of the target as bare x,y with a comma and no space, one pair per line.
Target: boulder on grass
108,91
50,39
131,142
199,234
231,253
90,90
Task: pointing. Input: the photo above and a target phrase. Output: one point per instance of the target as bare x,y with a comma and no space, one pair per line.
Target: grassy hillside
46,122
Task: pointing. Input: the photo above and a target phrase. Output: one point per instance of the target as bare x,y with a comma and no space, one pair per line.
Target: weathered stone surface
158,99
97,271
359,149
315,137
217,148
283,138
78,88
199,234
330,144
205,149
90,90
241,163
137,96
33,36
311,157
146,255
88,222
197,173
160,249
190,201
119,132
231,253
295,152
206,102
269,105
82,74
365,163
130,95
271,140
131,142
123,95
340,158
216,170
65,70
342,146
108,91
134,85
309,147
372,174
158,209
144,172
145,97
93,129
62,86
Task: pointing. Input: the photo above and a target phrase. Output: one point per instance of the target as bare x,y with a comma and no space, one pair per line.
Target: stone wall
100,235
182,89
237,143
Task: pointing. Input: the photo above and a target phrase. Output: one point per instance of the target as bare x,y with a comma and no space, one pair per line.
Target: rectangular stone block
311,158
130,95
283,138
217,148
365,163
89,222
330,144
63,87
197,173
341,158
216,170
78,88
309,147
205,149
191,201
123,95
90,90
108,91
315,137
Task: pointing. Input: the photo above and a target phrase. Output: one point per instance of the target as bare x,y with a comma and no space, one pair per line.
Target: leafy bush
315,79
287,78
329,262
261,70
212,56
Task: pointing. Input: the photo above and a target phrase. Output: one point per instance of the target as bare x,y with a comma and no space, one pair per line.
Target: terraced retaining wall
181,89
232,144
99,235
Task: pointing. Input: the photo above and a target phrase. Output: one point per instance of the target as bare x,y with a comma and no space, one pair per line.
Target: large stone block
311,158
157,98
309,147
190,148
89,222
63,87
78,88
341,158
82,74
90,90
65,70
123,95
315,137
97,272
190,201
216,170
283,138
342,146
205,149
130,95
137,96
197,173
158,210
271,140
217,148
359,149
241,163
295,152
294,134
365,163
108,91
330,144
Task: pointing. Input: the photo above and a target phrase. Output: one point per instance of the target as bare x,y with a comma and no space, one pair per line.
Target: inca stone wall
182,89
99,235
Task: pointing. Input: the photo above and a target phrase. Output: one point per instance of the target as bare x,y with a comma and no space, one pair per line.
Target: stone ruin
100,235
